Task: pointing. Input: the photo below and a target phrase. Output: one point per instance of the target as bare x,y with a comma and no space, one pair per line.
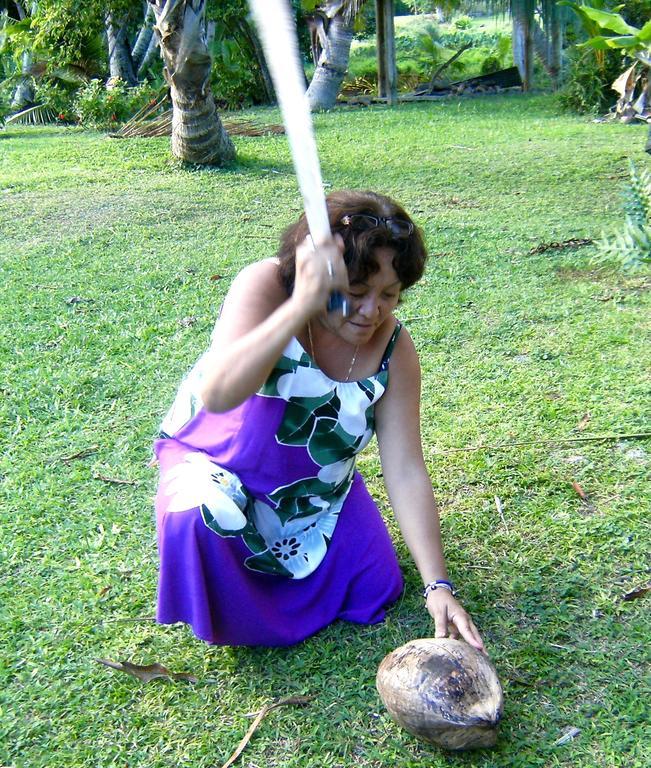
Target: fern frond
637,205
631,247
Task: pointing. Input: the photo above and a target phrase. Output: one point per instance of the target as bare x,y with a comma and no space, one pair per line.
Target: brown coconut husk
442,691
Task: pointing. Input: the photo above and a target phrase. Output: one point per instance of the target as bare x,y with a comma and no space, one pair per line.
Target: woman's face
372,300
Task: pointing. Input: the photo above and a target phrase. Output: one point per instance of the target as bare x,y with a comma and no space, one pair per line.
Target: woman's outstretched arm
410,489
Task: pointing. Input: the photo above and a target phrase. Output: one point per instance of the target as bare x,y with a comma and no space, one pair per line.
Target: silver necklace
352,362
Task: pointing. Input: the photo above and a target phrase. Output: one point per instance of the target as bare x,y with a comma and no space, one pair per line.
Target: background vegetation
114,261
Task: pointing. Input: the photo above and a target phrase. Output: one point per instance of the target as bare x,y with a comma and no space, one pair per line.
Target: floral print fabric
287,529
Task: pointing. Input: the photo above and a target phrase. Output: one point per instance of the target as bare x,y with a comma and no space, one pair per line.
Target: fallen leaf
114,480
104,590
80,454
569,735
214,278
296,701
147,672
579,490
584,422
573,242
638,592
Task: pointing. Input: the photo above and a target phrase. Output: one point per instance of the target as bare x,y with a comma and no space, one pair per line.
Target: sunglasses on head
362,221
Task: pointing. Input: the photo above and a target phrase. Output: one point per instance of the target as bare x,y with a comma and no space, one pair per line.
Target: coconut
442,691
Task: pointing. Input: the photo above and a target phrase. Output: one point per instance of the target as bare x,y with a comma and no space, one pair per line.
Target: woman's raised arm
258,320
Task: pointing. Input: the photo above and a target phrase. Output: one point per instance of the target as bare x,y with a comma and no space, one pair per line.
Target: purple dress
266,532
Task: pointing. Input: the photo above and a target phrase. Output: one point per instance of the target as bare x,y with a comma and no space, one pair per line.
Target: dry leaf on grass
148,672
638,592
569,735
114,480
584,422
579,490
296,701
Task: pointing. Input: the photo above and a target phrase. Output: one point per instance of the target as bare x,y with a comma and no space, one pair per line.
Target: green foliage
587,87
462,22
498,57
631,245
58,96
236,78
98,107
636,12
490,64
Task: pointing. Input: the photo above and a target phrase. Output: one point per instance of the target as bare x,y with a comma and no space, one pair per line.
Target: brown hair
359,246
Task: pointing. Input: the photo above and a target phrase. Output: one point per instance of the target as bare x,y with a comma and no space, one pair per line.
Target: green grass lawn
109,258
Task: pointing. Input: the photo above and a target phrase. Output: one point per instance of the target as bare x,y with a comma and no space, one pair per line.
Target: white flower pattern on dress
199,482
298,545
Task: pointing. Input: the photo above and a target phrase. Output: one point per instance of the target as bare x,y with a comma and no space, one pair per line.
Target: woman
266,532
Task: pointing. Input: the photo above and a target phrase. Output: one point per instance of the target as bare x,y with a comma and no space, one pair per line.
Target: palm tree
198,135
542,35
121,64
331,26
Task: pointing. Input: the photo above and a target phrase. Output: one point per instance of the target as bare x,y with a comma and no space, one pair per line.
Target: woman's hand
451,619
319,272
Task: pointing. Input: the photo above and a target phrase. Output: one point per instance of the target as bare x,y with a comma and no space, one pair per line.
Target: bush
489,65
58,97
98,107
589,77
463,22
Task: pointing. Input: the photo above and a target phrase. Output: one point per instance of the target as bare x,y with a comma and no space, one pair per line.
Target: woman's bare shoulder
260,278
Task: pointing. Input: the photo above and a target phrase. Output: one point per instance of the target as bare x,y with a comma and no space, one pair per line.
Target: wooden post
386,51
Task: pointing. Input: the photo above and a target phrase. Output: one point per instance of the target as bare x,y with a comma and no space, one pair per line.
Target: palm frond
39,114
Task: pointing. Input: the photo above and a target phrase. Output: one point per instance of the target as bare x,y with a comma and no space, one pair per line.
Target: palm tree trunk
523,42
149,55
120,61
332,65
555,44
24,93
198,135
143,41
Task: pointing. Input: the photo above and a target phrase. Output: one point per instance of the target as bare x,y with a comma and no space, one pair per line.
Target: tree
121,64
537,29
332,31
616,33
198,135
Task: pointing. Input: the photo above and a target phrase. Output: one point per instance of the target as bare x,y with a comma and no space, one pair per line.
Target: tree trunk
386,51
198,135
24,93
120,61
251,37
143,41
332,65
555,45
149,55
523,45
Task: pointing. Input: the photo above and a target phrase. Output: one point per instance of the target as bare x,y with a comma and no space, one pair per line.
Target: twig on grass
114,480
296,701
79,455
500,512
559,441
